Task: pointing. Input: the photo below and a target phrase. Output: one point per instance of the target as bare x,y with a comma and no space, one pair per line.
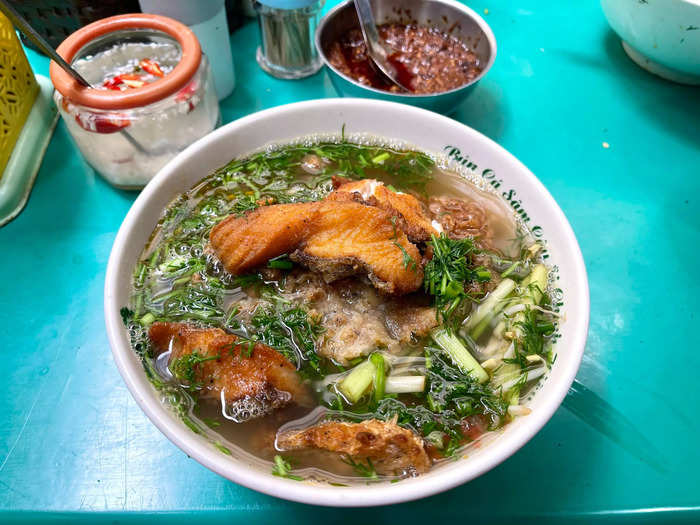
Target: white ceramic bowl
427,131
661,36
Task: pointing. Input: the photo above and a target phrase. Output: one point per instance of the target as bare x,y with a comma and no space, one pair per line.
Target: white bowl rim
321,494
485,28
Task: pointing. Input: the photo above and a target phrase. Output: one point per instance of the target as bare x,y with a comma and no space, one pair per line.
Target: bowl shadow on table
484,110
676,109
56,190
672,105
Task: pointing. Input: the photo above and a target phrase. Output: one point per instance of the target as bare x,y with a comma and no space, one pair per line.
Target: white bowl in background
661,36
427,131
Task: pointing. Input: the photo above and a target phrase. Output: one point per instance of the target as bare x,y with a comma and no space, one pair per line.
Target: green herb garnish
407,259
365,469
449,271
184,368
282,468
281,262
289,330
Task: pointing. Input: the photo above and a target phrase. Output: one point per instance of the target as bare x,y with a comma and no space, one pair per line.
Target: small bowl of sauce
439,48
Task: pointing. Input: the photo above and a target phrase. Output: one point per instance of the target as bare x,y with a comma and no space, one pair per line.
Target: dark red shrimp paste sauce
427,60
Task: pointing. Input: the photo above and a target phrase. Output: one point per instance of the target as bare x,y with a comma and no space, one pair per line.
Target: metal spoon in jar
375,49
21,24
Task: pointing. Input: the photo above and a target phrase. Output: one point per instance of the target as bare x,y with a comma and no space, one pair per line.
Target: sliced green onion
356,383
379,159
147,319
487,310
281,262
459,354
404,384
380,379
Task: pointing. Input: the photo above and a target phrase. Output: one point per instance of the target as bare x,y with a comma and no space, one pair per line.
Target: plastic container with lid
152,94
207,19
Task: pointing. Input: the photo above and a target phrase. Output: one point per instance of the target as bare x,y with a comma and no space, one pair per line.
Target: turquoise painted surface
75,447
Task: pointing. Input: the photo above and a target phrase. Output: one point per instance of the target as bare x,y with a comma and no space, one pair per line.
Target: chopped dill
410,169
246,345
291,331
407,259
244,203
535,330
449,271
184,368
365,469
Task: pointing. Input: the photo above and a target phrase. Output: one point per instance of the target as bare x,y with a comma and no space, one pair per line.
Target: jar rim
175,80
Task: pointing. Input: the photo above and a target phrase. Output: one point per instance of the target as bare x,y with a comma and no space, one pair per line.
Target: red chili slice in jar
101,123
113,83
185,95
126,80
151,66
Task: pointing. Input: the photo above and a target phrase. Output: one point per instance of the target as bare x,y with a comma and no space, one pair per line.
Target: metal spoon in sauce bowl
31,33
375,49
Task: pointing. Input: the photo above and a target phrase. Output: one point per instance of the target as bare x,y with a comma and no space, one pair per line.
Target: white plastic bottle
207,19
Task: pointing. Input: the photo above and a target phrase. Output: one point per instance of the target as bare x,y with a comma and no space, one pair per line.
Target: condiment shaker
287,29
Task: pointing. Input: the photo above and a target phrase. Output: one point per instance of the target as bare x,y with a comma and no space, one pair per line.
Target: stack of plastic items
27,118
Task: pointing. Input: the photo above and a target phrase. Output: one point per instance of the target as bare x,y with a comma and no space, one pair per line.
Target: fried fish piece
411,215
391,448
251,384
243,243
335,238
350,238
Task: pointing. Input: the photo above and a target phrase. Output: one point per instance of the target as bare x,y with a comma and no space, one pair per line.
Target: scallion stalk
459,354
404,384
356,383
492,305
380,378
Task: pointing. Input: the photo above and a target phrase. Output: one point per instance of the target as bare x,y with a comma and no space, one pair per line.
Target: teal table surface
620,151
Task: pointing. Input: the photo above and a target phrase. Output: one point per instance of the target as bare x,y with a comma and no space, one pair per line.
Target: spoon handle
375,50
369,27
21,24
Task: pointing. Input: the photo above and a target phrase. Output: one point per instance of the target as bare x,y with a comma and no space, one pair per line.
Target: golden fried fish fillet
411,215
243,243
335,238
250,385
391,448
350,238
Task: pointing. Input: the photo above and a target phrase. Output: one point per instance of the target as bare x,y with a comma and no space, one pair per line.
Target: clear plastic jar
128,134
287,30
